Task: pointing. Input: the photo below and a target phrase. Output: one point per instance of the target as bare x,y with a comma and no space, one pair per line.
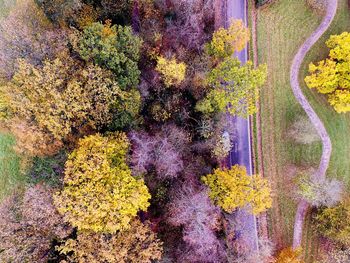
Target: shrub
319,6
302,131
332,222
318,191
173,72
289,255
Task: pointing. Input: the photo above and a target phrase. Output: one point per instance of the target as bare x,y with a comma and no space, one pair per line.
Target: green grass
10,174
282,28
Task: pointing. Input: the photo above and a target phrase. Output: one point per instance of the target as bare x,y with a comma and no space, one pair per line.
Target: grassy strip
10,174
282,28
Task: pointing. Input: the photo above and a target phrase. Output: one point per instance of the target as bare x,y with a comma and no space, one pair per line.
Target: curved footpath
326,142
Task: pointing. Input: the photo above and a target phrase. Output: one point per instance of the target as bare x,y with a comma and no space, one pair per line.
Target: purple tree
200,219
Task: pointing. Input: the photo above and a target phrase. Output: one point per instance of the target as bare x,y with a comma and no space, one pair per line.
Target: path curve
326,141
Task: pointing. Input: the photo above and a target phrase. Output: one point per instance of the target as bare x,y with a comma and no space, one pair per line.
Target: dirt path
326,142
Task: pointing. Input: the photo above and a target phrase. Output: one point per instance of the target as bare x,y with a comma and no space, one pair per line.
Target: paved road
241,150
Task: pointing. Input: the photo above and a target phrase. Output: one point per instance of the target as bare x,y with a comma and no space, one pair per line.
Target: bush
264,2
303,131
319,6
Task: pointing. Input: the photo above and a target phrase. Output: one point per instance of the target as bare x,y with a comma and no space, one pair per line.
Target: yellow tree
99,193
226,41
234,88
331,76
234,188
173,72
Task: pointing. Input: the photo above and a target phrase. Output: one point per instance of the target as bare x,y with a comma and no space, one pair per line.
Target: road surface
241,150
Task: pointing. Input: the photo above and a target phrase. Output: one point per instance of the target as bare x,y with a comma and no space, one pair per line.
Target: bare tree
200,219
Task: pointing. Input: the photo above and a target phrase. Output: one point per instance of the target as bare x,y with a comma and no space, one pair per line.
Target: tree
192,209
233,87
27,33
32,140
99,192
234,188
332,222
226,41
62,97
137,244
289,255
114,48
28,225
331,76
320,191
173,72
160,151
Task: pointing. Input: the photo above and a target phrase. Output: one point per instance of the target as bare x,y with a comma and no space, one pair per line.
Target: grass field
282,28
10,176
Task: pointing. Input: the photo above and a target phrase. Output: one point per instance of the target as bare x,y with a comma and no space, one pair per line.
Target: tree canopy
331,76
112,47
234,87
234,188
137,244
99,191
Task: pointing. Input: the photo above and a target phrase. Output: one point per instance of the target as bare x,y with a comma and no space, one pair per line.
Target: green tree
137,244
112,47
234,188
99,193
331,76
235,88
333,222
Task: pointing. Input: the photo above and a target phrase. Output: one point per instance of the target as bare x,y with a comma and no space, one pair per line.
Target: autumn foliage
137,244
99,192
226,41
331,76
234,188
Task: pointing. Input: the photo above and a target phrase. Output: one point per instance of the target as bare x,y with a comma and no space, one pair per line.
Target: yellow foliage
100,194
226,41
173,72
332,75
138,244
288,255
234,188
